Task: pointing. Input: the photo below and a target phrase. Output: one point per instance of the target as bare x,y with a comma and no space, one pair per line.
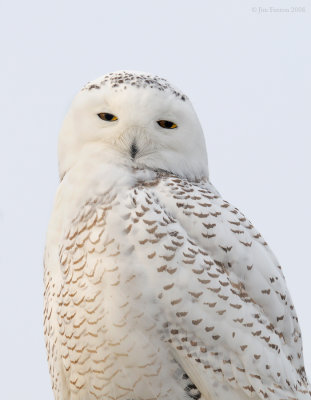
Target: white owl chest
110,325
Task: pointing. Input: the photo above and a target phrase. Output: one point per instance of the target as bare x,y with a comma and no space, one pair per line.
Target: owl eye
107,117
167,124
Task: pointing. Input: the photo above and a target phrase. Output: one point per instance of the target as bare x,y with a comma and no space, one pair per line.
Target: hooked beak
133,150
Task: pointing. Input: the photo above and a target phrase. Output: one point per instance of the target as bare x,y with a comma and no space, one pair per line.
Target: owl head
135,119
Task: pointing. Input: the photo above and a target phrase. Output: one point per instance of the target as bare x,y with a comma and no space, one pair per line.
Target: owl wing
231,323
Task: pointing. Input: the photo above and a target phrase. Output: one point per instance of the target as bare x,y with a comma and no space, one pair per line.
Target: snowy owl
156,287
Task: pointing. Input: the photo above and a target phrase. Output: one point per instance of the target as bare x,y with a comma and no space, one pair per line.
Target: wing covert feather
229,311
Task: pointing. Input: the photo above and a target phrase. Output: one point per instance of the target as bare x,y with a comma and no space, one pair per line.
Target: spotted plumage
156,287
124,79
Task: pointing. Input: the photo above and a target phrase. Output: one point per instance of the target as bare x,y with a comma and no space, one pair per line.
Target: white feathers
157,288
138,109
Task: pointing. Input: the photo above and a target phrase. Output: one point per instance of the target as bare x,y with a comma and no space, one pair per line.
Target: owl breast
113,333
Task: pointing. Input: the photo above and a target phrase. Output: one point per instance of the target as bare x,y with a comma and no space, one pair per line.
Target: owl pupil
168,124
108,116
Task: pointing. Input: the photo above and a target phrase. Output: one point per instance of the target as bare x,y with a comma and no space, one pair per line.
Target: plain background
248,74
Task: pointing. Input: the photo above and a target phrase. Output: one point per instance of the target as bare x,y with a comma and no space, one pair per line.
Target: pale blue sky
248,75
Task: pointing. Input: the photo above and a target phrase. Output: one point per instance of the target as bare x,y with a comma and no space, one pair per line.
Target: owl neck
93,176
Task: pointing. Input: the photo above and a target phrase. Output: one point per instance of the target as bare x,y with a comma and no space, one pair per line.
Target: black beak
134,150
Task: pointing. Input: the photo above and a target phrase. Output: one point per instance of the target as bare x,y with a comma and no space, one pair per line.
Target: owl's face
137,120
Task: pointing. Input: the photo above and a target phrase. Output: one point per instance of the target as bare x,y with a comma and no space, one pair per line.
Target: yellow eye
166,124
107,117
